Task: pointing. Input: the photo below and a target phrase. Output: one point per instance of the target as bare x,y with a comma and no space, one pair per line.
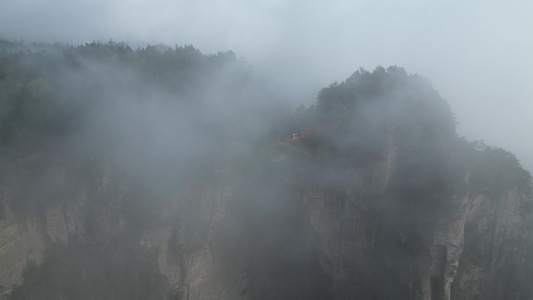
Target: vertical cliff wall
227,239
373,245
217,237
172,237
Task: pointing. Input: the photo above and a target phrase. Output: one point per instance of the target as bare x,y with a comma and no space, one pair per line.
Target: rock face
24,240
180,233
357,242
187,254
493,233
459,254
484,234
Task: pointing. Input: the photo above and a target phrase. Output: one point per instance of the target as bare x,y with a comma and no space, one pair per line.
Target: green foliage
29,112
43,92
53,96
369,111
497,170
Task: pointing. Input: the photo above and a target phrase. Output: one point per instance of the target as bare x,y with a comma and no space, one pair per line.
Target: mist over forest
342,198
477,55
235,149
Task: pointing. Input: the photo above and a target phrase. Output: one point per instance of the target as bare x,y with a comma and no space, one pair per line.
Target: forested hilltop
165,173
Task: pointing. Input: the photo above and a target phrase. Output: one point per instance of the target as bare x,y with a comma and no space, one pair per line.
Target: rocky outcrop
484,234
344,224
188,256
25,239
494,237
459,252
207,243
181,232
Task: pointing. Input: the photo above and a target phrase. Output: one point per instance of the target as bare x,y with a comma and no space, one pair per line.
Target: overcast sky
478,54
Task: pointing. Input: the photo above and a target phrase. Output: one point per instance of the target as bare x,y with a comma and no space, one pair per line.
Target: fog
478,55
148,122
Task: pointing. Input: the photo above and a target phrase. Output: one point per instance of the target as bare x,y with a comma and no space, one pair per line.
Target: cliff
150,187
173,241
459,254
211,241
108,237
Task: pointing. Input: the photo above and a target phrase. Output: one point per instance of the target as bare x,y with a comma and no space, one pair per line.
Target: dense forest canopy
44,86
151,109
